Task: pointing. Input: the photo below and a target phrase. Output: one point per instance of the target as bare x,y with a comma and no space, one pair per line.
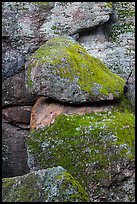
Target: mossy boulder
97,149
63,70
46,185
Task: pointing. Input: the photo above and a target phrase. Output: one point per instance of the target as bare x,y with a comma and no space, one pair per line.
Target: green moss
75,185
68,59
47,185
88,146
8,182
124,24
41,3
29,80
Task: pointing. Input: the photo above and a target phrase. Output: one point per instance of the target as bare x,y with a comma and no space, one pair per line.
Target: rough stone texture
114,41
97,149
20,35
46,185
71,17
14,91
107,31
61,69
17,114
45,111
14,159
131,92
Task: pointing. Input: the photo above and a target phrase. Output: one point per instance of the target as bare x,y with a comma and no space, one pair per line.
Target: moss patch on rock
47,185
125,21
61,63
91,147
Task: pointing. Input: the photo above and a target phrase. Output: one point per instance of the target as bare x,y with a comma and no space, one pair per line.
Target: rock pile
68,130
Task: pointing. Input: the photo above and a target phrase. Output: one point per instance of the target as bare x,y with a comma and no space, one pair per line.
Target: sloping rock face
96,148
46,185
61,69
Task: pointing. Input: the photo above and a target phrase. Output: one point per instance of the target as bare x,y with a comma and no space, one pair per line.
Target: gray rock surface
20,24
114,41
71,17
61,69
46,185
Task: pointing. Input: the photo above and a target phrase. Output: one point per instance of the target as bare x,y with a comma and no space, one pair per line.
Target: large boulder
46,185
63,70
96,148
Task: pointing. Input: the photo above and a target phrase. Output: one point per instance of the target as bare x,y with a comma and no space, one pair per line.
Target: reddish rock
14,153
17,114
14,91
45,111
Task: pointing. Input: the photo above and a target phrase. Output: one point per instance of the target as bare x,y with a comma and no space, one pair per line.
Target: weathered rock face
99,145
14,159
131,92
71,17
46,185
14,91
114,41
20,24
63,70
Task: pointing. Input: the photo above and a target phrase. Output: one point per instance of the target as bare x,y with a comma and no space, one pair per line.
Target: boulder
61,69
96,148
73,17
46,185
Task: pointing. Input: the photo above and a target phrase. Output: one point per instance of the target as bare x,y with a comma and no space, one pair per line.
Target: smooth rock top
61,69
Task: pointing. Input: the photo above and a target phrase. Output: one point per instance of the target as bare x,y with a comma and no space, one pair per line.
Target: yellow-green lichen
109,5
41,3
69,60
124,11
